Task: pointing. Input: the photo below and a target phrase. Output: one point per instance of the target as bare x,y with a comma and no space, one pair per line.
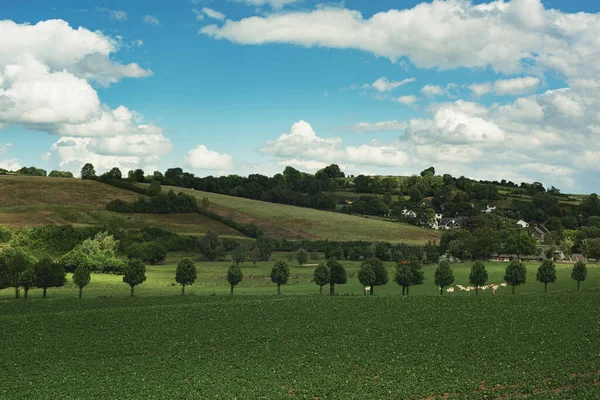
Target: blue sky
513,90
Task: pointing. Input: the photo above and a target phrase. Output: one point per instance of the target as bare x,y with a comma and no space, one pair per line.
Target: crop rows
542,346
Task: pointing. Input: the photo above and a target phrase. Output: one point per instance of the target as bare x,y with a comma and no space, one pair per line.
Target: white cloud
151,20
481,88
407,100
210,13
384,85
113,14
201,158
500,35
502,87
45,71
199,14
276,4
380,126
436,90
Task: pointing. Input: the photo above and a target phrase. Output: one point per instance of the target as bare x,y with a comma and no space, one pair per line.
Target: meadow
212,280
303,347
290,222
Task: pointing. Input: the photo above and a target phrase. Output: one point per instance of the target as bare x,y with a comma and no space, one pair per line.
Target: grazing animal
450,290
367,289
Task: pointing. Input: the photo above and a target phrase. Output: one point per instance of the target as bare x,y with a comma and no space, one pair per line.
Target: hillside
284,221
35,201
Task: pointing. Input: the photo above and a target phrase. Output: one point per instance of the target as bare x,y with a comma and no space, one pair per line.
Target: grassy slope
31,201
212,279
302,348
283,221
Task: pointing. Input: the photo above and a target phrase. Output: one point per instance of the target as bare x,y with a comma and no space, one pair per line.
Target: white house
409,214
488,210
522,223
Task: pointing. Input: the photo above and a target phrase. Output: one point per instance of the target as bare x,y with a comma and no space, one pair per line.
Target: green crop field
36,201
212,280
303,347
283,221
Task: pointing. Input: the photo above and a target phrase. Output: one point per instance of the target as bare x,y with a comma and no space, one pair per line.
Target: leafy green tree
255,255
13,262
579,273
443,276
49,274
403,277
321,276
337,274
88,171
546,273
239,254
135,273
380,273
234,276
515,274
81,277
280,275
27,280
520,242
416,270
186,273
478,276
265,247
154,189
212,246
366,276
302,256
114,173
590,248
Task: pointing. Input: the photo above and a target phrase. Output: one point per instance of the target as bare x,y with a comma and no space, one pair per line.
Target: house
522,223
577,258
409,214
488,210
451,223
540,232
436,222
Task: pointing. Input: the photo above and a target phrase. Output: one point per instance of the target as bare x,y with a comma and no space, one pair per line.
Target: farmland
212,280
283,221
303,347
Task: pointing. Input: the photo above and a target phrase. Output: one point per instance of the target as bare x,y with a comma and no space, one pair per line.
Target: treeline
33,171
158,204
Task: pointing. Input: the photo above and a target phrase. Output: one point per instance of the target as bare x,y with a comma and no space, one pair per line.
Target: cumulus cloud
10,164
436,90
393,125
210,13
201,158
502,87
384,85
500,35
151,20
303,144
45,74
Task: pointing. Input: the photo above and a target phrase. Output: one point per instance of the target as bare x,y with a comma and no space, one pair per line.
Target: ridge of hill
291,222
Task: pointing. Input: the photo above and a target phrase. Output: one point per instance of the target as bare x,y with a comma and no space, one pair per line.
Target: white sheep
450,290
367,289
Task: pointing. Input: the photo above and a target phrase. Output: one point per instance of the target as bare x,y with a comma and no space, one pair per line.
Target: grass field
35,201
283,221
303,347
212,280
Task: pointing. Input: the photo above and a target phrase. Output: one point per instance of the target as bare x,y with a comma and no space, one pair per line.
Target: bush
149,252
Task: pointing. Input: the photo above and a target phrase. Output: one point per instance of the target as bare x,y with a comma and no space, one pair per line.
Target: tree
265,247
579,273
114,173
280,275
88,171
81,277
478,276
234,276
239,254
520,242
255,255
154,189
302,256
403,277
443,276
49,274
429,171
135,273
590,248
379,276
13,262
185,274
337,274
212,246
416,270
515,274
27,280
321,276
546,273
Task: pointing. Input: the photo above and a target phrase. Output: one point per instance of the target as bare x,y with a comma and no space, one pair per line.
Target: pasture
212,280
303,347
290,222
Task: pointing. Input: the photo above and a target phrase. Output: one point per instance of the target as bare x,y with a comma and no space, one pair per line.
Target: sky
486,89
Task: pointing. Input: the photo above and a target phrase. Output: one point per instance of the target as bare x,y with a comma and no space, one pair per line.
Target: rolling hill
290,222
